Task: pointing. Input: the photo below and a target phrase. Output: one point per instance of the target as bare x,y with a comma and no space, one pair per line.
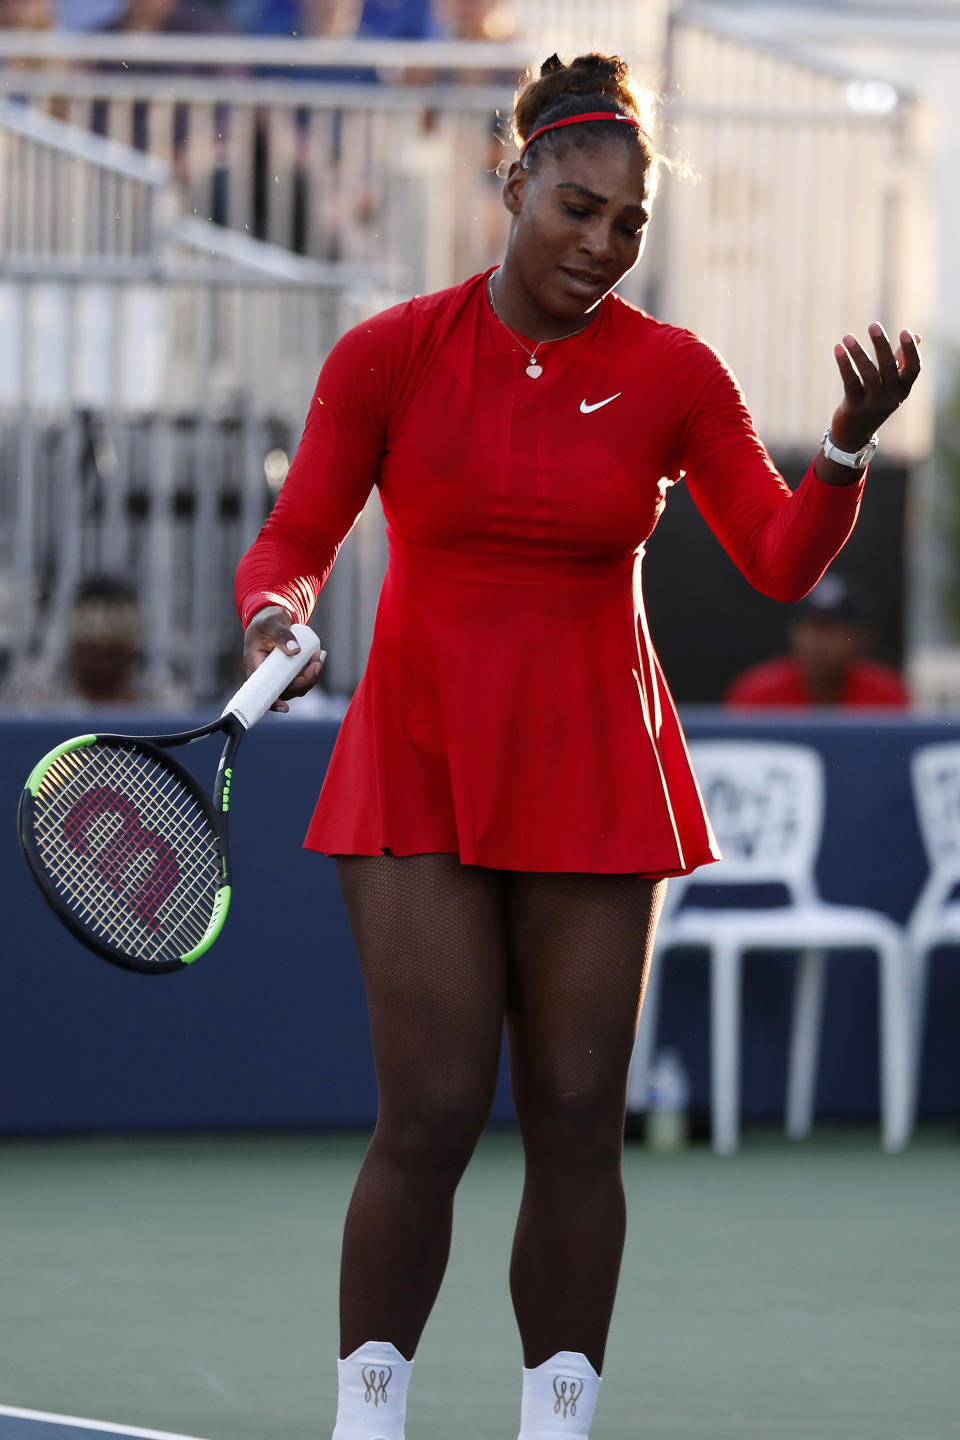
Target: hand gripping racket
127,848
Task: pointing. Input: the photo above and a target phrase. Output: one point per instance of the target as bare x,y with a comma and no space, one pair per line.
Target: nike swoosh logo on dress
585,409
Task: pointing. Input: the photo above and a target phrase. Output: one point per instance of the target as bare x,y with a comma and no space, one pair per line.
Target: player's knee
436,1131
582,1122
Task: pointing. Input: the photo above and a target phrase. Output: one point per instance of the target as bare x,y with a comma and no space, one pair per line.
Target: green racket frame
155,748
248,705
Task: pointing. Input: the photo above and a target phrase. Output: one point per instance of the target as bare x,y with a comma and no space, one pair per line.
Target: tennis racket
128,849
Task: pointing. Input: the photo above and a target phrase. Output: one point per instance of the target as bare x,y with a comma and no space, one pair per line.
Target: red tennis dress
513,710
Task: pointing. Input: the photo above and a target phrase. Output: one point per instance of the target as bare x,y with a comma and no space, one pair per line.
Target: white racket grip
271,678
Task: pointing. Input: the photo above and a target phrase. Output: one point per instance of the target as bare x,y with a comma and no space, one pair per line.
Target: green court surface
790,1292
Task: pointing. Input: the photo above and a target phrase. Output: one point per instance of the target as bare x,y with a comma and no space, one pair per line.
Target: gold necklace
533,369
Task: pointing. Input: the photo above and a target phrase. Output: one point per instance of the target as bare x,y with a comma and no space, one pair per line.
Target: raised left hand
872,389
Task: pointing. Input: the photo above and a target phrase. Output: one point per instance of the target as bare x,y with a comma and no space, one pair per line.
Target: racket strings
129,849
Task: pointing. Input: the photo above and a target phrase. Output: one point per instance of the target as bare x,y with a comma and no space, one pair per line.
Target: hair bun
608,69
590,82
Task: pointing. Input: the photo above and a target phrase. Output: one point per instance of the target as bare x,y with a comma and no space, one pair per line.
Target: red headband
580,120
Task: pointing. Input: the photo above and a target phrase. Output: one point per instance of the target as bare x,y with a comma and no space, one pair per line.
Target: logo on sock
568,1392
376,1382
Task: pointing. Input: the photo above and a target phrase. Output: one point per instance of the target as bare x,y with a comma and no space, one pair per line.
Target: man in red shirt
826,664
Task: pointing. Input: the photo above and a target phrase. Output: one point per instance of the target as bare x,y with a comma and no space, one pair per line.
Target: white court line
79,1424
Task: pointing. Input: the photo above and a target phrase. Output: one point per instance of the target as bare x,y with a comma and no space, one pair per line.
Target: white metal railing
66,192
175,338
143,381
136,416
387,168
389,59
759,256
110,299
169,502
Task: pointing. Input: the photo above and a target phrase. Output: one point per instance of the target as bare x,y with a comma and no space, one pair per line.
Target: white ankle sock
372,1399
559,1398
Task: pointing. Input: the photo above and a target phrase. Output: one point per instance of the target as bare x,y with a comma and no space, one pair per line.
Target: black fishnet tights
449,952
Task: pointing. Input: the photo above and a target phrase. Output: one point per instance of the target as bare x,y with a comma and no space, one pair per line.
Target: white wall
914,46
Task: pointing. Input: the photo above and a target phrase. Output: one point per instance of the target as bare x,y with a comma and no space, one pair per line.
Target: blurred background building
197,199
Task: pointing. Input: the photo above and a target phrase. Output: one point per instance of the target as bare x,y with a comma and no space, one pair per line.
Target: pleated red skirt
513,712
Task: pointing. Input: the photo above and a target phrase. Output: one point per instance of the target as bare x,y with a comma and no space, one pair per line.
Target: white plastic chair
766,802
935,920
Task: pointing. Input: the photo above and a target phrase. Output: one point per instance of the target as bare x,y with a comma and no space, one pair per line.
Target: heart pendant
534,370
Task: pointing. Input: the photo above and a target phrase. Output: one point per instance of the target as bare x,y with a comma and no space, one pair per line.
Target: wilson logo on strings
137,864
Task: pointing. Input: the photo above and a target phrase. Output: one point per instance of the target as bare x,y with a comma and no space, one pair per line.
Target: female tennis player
510,786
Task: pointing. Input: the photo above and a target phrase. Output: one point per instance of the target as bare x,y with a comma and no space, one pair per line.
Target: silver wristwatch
856,459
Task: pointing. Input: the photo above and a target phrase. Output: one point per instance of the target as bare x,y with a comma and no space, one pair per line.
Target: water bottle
669,1096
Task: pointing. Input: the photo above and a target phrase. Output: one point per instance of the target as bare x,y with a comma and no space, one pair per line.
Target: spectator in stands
26,15
85,15
102,665
476,19
339,19
171,17
30,15
829,639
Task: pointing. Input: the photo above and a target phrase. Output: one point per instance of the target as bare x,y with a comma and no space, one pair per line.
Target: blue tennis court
38,1425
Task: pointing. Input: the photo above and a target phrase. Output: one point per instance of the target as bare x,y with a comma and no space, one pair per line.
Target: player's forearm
801,537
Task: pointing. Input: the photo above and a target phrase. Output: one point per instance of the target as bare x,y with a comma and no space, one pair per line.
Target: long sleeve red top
513,710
